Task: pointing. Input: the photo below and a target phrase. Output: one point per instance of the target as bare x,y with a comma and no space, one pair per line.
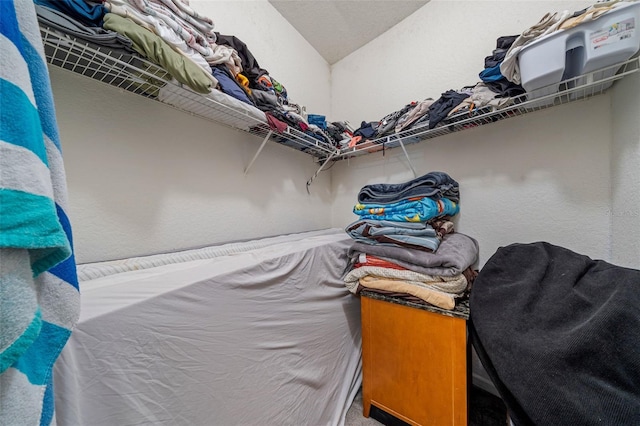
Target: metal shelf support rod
264,142
415,175
315,175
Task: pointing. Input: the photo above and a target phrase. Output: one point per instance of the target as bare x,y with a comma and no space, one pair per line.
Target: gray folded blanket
456,253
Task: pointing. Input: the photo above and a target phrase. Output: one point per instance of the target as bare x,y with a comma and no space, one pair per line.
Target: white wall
144,178
542,176
625,181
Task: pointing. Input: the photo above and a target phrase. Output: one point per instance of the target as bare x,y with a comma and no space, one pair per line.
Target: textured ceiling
337,28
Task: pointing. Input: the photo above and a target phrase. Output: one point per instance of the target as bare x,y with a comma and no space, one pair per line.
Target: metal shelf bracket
264,142
415,175
315,175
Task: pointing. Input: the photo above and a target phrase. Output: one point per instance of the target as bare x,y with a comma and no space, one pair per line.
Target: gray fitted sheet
269,336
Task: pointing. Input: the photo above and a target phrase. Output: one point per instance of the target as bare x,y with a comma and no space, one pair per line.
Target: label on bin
613,33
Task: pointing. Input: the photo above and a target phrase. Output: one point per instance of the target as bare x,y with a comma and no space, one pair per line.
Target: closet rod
264,142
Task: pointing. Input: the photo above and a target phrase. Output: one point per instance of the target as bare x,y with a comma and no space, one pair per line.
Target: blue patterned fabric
412,210
38,283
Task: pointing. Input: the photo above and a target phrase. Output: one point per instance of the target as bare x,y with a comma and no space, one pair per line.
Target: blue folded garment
491,74
318,120
230,86
79,9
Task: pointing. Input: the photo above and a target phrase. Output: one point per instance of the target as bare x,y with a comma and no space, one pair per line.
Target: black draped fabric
559,334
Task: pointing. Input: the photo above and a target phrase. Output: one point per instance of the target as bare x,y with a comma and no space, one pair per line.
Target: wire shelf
567,91
130,72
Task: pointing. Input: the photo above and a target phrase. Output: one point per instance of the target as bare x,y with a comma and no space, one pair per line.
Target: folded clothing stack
406,244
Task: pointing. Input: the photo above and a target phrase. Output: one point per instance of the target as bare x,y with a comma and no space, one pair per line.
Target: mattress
265,336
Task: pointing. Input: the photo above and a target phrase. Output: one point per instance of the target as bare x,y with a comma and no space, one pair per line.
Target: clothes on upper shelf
61,21
155,49
189,38
491,72
419,110
500,75
387,124
481,97
318,120
177,38
228,84
89,14
441,108
548,24
250,67
275,124
502,47
159,28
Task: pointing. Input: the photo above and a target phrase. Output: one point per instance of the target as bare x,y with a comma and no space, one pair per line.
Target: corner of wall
625,175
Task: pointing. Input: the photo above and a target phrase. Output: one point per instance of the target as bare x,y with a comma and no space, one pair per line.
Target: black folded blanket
559,334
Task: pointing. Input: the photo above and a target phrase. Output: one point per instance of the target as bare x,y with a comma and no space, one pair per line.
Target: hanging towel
39,298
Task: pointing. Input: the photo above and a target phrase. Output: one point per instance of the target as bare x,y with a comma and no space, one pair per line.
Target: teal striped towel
39,297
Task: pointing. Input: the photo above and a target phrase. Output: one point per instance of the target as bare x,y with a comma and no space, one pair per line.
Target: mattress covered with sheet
267,336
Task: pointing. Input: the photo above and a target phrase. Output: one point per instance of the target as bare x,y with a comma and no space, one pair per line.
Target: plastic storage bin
610,39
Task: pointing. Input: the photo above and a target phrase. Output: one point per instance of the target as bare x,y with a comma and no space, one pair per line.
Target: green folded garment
158,51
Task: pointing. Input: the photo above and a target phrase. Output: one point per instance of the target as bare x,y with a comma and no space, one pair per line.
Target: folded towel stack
406,244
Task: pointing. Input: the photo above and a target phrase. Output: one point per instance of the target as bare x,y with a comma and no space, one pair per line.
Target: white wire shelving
130,72
135,74
564,92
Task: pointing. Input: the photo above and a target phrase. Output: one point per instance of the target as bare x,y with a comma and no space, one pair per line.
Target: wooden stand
414,363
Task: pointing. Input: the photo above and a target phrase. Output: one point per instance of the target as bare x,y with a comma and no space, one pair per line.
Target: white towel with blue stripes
39,297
